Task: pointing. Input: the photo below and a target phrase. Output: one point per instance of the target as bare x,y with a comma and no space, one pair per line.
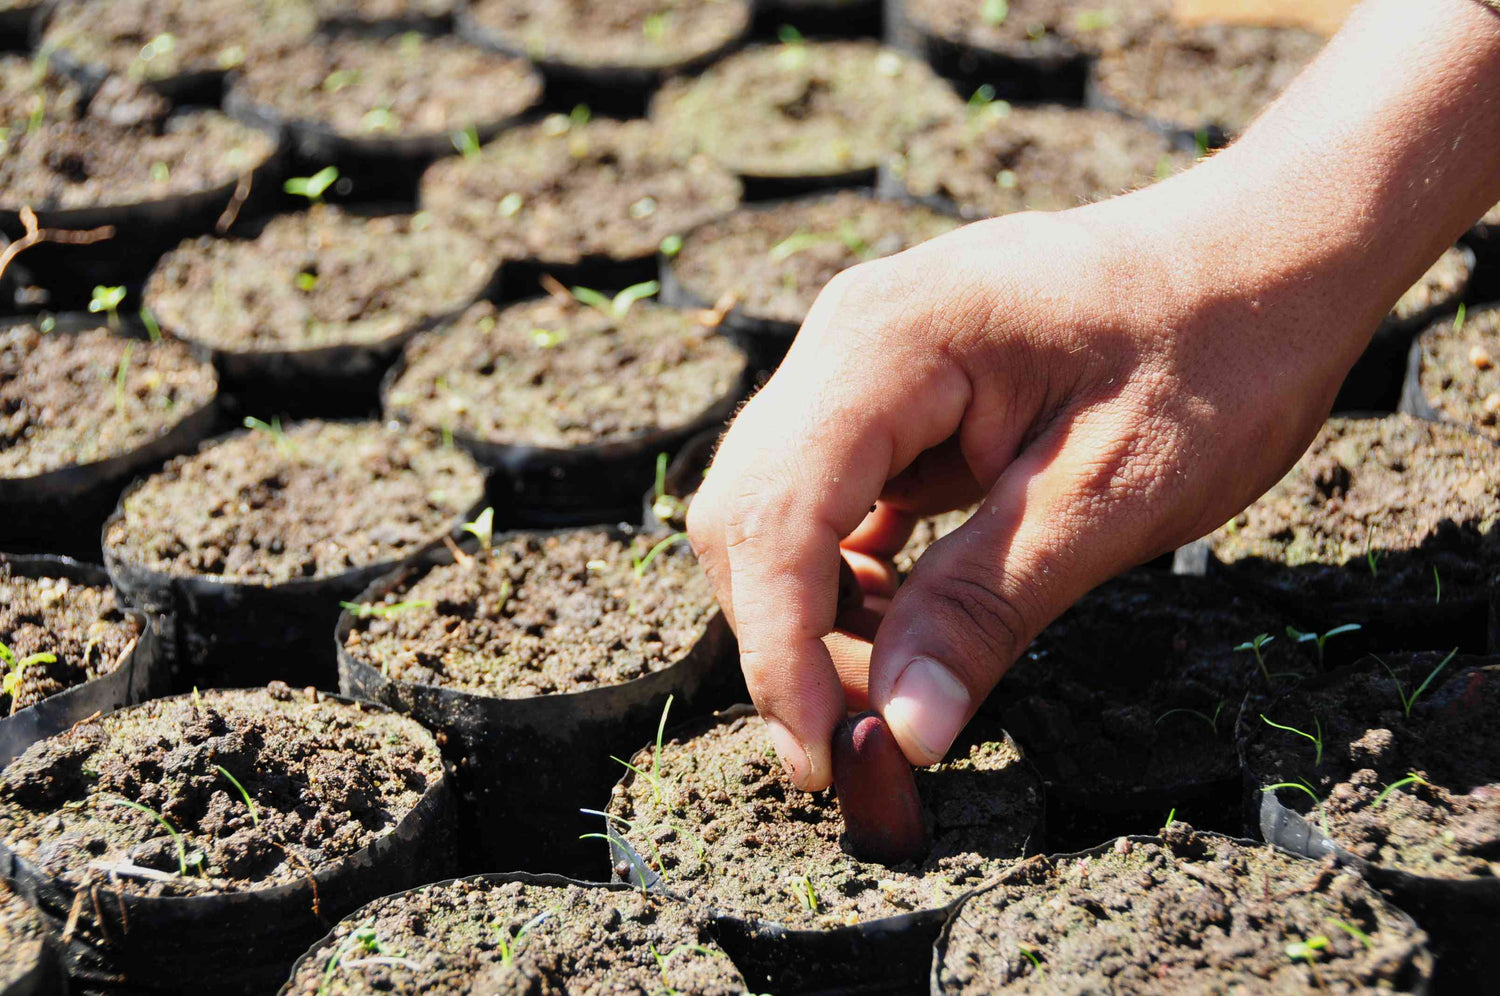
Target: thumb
1060,519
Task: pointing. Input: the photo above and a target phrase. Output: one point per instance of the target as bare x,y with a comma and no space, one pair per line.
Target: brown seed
1480,357
877,793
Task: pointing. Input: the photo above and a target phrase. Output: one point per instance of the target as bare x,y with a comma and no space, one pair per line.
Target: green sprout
788,35
1354,932
1302,787
274,430
306,281
1297,636
1458,318
364,610
619,306
662,959
641,563
671,246
629,827
362,941
1437,582
1036,962
799,241
664,506
121,372
1408,701
1171,816
1412,778
340,78
654,27
1317,740
852,240
1200,142
1306,950
1212,721
802,888
380,119
108,299
312,187
1372,558
249,803
182,861
655,775
994,12
16,672
1254,646
482,528
466,141
153,328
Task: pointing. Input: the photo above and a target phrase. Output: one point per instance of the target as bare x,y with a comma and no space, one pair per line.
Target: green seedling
1254,645
580,115
121,372
362,941
380,119
482,528
671,246
312,187
789,35
340,78
249,803
306,281
182,858
1372,558
1036,963
1212,721
108,299
1317,740
1412,778
655,776
380,610
1171,816
664,506
1306,950
1297,636
1407,701
1200,141
466,141
1354,932
662,959
16,670
994,12
798,241
618,306
654,27
1302,787
153,328
806,894
852,240
1437,584
274,430
1458,318
642,563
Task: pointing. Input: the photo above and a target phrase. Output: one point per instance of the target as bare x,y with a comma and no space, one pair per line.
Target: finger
882,532
872,575
850,653
940,480
1064,516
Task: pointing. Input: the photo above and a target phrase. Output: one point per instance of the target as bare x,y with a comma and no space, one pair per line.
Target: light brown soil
805,109
63,403
541,615
29,91
22,935
636,34
317,278
1441,285
1034,27
327,779
559,191
546,373
1452,382
324,498
406,85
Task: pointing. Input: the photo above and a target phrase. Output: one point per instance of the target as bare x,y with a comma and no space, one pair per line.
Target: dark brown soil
1003,159
1460,373
63,403
729,829
1440,286
1135,689
22,936
327,779
156,39
1448,825
406,85
29,91
1212,74
806,109
322,499
382,10
559,191
557,939
550,373
1193,913
542,614
776,260
635,34
91,163
82,626
1033,27
1409,495
317,278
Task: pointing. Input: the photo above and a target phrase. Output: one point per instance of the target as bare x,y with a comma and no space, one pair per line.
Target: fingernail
793,757
927,709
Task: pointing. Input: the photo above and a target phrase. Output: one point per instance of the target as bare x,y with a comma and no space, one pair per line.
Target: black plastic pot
617,90
200,87
142,231
228,634
820,18
525,767
60,511
16,25
232,943
889,954
138,675
519,279
545,486
1053,71
375,166
1424,965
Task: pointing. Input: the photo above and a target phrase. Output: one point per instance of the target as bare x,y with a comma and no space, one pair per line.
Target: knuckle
975,608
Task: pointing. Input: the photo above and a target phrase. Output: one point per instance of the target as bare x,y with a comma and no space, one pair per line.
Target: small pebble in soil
1481,358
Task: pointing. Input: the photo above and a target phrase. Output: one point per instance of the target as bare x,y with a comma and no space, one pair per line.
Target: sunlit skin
1109,382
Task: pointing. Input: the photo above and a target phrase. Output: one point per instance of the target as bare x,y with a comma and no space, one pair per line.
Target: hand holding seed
877,793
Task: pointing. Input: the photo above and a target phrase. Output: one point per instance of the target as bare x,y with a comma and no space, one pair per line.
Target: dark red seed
877,794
